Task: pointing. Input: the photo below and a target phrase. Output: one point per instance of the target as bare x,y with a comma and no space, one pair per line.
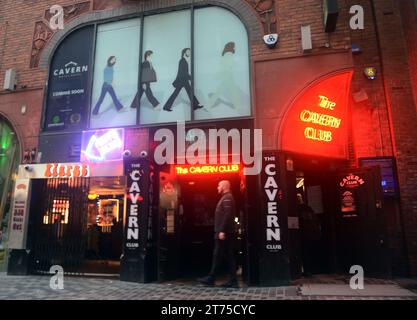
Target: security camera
144,154
127,153
271,40
28,168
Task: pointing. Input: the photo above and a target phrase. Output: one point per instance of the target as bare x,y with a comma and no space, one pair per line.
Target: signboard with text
349,185
70,170
68,96
317,121
20,215
272,196
136,171
274,261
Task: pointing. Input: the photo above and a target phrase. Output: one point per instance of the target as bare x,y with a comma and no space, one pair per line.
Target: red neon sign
56,170
207,169
316,123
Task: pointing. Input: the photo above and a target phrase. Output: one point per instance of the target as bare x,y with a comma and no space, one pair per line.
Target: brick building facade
382,111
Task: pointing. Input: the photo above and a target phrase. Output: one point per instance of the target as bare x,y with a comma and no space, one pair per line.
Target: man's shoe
198,107
230,284
208,281
167,109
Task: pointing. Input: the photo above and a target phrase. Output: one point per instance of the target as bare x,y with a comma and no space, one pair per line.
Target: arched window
9,160
179,66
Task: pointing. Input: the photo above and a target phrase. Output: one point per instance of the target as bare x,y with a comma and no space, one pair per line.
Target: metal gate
59,208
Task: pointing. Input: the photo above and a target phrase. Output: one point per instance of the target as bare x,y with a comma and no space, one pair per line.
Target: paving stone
37,288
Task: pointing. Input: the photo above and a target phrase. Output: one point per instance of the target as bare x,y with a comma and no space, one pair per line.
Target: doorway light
300,183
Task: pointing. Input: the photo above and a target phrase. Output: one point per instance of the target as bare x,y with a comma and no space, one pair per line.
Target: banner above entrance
317,121
70,170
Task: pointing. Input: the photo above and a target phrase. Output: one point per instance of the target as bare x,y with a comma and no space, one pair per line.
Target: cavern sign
272,195
322,120
208,169
316,122
71,69
136,206
352,181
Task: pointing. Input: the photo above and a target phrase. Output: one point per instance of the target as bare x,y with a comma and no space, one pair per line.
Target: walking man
183,80
224,237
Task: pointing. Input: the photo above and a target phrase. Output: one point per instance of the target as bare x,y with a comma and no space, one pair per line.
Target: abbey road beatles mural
163,78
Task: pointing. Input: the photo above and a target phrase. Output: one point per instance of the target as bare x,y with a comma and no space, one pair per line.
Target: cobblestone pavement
77,288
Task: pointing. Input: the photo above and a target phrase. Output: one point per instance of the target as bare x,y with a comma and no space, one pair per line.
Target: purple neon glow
104,145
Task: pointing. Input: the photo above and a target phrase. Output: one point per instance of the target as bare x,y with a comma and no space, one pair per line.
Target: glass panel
9,161
221,64
115,74
166,68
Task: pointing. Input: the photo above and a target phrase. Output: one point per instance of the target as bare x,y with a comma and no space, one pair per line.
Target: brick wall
402,113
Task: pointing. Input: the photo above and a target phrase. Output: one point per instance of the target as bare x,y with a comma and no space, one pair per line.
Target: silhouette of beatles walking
108,86
183,80
148,76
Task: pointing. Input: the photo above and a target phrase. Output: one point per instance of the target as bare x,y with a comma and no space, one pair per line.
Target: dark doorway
187,229
314,200
349,225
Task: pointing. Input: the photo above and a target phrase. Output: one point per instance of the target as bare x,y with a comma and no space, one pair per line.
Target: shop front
67,214
101,202
130,219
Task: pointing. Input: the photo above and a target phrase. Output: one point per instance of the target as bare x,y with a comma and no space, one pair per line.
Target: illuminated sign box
102,145
388,168
207,169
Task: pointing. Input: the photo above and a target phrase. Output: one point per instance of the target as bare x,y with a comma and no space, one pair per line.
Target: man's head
148,55
186,53
223,187
300,198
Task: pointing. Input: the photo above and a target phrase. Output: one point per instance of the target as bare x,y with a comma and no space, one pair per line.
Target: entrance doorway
339,227
78,225
316,206
186,240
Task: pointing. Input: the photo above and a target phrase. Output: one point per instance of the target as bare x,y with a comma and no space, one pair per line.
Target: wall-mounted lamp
370,73
355,48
